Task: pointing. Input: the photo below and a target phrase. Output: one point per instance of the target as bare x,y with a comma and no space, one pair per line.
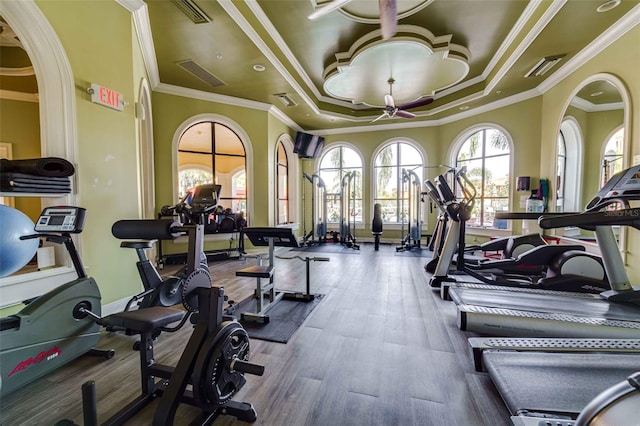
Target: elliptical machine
212,366
549,267
166,291
49,331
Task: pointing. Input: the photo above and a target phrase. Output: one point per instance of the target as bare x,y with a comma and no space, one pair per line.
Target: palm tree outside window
389,186
335,163
487,156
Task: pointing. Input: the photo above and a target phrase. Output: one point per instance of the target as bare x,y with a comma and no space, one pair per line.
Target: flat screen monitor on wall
308,146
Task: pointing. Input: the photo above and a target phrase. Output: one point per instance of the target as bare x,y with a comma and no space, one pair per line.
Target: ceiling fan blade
388,101
416,104
383,115
388,18
405,114
328,8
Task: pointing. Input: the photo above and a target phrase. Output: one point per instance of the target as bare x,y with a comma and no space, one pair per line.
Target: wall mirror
591,146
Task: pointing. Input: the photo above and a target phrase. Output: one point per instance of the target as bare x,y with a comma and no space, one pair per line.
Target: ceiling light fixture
259,68
285,99
544,65
608,5
464,108
594,94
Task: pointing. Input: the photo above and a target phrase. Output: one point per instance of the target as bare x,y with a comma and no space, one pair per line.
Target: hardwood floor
382,348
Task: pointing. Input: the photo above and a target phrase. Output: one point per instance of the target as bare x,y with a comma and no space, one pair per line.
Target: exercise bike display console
50,330
61,219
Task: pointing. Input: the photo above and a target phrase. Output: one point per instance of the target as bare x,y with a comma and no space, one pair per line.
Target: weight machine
347,210
318,210
412,188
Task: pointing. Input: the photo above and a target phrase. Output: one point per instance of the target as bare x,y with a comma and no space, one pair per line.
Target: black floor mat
285,318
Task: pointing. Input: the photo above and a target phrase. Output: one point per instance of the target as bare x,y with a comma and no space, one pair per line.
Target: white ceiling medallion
419,62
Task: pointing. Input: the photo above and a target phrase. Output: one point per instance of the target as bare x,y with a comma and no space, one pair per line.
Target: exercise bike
167,291
49,331
211,368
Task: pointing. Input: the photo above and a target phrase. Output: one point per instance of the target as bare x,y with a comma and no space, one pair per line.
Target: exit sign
107,97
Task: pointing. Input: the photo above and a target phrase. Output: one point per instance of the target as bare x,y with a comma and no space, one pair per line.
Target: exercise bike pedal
242,411
104,353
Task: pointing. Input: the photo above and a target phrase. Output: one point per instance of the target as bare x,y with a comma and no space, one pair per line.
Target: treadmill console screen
61,219
630,180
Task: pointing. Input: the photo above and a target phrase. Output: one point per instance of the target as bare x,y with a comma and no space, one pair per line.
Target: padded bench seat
145,319
256,271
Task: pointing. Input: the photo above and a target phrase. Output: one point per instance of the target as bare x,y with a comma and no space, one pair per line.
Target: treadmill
546,381
611,314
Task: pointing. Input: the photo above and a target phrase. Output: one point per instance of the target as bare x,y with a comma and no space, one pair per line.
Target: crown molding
170,89
19,96
140,15
244,25
624,24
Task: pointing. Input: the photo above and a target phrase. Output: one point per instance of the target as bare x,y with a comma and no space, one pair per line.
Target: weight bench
266,295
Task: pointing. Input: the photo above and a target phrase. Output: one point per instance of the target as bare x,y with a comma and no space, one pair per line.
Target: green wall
20,126
107,150
107,172
622,60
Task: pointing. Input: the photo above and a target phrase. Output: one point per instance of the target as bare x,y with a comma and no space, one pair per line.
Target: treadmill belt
555,383
547,303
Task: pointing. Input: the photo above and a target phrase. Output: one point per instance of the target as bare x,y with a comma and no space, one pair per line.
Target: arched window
486,153
561,172
210,152
612,156
335,163
282,179
569,158
390,190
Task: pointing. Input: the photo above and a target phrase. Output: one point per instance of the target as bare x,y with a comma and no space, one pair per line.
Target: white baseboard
115,307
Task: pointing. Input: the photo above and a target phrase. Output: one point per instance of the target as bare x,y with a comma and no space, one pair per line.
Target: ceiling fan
388,14
391,110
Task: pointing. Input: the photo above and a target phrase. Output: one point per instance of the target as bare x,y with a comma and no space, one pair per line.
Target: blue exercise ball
14,252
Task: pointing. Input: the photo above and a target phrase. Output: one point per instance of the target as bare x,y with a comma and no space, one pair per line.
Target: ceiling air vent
544,65
285,99
189,8
201,73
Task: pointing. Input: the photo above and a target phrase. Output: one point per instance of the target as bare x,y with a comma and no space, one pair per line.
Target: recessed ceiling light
464,107
608,5
596,94
219,56
259,68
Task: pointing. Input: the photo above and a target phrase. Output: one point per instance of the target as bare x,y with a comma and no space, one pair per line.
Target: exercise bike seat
146,244
145,319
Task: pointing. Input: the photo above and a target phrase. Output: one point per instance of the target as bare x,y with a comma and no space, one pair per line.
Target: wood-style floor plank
381,348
